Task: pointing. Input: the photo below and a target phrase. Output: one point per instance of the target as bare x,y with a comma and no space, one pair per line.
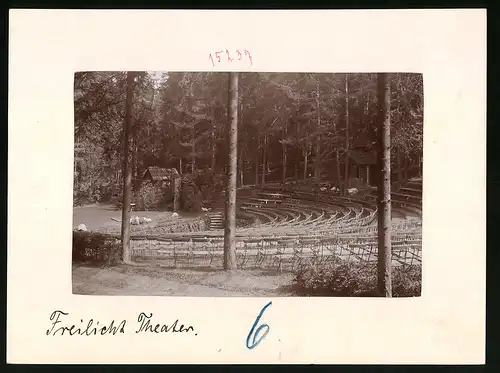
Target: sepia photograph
246,197
247,184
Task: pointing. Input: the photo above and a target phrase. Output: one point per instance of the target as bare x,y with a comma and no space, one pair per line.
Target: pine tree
127,171
232,138
384,188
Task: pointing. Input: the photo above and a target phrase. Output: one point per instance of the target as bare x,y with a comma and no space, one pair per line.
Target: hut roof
158,173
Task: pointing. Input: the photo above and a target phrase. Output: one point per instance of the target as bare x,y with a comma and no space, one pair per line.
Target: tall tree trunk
361,104
337,159
399,166
134,156
346,162
180,165
193,159
405,166
177,193
136,164
284,152
264,161
317,157
242,173
127,172
337,168
256,163
297,132
317,162
193,131
306,152
241,158
241,166
366,113
214,144
420,166
230,211
384,188
399,169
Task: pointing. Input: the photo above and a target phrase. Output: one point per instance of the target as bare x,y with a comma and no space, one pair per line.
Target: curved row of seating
281,249
295,224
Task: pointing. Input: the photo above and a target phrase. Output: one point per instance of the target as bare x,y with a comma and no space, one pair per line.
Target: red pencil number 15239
225,55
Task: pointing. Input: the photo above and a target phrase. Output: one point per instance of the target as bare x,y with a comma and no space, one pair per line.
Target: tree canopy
294,123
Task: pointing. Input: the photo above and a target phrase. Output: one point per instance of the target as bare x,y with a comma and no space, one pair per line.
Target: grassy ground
135,280
147,280
160,281
99,218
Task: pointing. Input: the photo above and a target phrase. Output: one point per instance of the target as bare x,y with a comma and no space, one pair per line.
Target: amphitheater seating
294,226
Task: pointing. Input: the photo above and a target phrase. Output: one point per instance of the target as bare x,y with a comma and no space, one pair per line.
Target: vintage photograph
247,184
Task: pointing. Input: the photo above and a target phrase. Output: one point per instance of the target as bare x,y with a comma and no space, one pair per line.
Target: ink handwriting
218,59
255,333
60,326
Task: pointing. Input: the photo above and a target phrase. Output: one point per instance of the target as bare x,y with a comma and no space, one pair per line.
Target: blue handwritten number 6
254,342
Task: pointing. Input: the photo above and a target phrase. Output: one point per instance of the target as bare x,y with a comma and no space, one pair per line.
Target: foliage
191,225
151,196
407,110
96,248
342,278
191,197
204,180
245,220
243,223
84,194
179,121
160,226
174,226
87,175
407,281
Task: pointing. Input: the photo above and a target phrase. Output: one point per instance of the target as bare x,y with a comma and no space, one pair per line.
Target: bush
190,194
243,223
219,180
79,198
344,279
162,226
407,282
96,248
85,195
172,226
205,219
151,196
191,225
244,220
204,181
105,194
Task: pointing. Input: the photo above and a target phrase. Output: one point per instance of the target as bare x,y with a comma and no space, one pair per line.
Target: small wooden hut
165,176
168,178
363,163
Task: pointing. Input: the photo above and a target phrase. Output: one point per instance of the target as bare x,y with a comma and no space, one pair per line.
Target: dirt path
128,280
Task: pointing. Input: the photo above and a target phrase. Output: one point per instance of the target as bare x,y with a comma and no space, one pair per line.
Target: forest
291,127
